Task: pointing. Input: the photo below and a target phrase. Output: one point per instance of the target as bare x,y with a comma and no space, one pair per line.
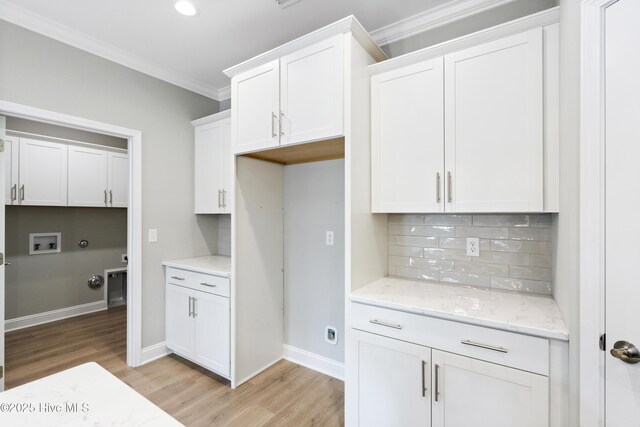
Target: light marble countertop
212,264
87,395
510,311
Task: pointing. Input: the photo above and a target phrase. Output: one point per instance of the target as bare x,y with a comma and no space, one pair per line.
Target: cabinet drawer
505,348
202,282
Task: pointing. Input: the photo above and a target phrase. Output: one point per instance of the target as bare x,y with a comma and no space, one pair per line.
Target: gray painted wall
469,25
45,282
40,72
313,271
224,234
225,104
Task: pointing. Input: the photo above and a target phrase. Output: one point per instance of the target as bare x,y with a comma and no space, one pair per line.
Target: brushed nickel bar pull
424,387
105,197
22,193
190,312
219,202
282,117
224,198
111,197
195,306
14,191
449,195
437,187
485,346
208,284
273,125
436,392
177,278
387,324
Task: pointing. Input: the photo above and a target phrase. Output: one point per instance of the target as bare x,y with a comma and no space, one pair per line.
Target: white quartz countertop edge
527,326
214,264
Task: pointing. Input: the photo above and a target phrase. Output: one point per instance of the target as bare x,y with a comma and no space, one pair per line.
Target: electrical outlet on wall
329,238
331,335
124,258
473,246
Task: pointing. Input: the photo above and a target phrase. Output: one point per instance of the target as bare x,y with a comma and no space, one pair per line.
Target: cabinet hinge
1,145
603,342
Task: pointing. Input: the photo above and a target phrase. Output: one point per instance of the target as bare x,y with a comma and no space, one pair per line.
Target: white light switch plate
473,246
153,235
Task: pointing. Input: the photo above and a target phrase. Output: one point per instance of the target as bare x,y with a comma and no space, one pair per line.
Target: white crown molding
433,18
36,23
224,93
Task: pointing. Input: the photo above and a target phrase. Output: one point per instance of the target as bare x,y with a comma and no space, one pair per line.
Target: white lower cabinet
198,319
399,374
392,381
473,392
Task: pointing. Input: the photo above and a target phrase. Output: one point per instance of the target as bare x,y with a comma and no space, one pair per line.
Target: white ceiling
192,52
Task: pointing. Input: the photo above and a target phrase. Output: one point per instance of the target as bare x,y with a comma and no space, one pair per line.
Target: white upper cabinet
256,108
213,167
97,178
474,392
43,173
311,93
494,126
407,139
118,179
11,148
87,176
474,130
294,99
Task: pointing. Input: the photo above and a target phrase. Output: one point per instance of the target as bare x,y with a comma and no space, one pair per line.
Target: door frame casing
134,211
592,211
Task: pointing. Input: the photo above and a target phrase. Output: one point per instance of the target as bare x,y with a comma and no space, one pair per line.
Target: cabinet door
407,139
494,126
209,171
87,175
228,158
43,173
391,382
255,108
311,90
180,326
118,180
11,148
212,342
482,394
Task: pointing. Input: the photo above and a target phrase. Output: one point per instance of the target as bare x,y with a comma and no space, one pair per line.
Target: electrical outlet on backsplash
516,251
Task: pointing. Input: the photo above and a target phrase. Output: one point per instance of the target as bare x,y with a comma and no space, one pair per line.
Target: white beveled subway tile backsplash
515,250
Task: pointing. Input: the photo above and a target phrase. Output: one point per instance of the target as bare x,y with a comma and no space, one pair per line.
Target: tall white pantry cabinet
305,101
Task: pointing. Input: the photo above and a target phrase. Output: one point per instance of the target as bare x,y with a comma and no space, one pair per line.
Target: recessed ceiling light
185,8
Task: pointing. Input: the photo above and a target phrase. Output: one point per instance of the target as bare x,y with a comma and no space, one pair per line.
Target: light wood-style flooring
284,395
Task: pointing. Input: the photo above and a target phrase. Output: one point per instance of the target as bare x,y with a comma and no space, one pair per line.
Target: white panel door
118,168
391,381
312,95
87,177
43,173
180,325
209,170
228,182
213,339
494,126
255,108
468,392
407,139
11,148
622,142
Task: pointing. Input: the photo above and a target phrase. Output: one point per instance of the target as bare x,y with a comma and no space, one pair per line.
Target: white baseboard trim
235,384
153,352
313,361
52,316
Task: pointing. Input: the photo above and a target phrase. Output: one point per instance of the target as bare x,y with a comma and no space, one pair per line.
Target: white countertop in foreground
216,265
518,312
87,395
